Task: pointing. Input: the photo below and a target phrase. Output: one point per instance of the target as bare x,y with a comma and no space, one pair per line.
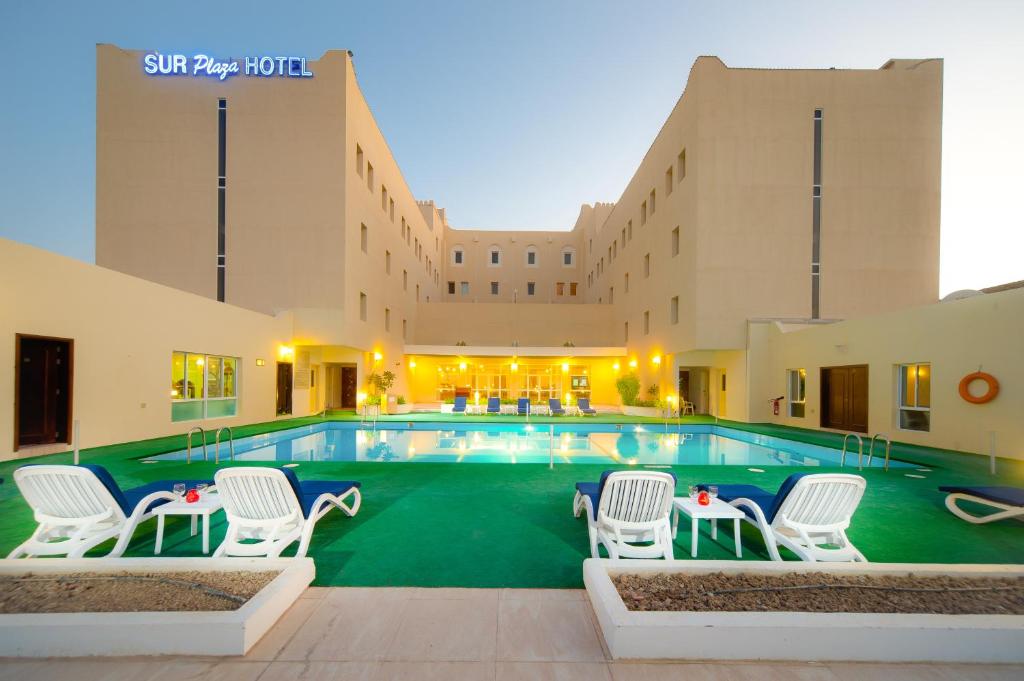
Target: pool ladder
888,448
860,451
216,444
188,444
365,419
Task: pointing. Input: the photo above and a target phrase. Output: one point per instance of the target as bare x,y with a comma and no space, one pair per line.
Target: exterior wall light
412,364
285,353
514,366
565,368
377,357
632,364
656,359
261,362
462,366
616,367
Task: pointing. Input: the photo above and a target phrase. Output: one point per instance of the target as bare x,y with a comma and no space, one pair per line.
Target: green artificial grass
511,525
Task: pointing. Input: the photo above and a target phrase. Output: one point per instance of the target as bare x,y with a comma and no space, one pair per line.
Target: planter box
152,633
641,411
401,409
447,408
808,636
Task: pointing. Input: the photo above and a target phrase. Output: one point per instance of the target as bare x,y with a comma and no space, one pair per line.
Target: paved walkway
343,634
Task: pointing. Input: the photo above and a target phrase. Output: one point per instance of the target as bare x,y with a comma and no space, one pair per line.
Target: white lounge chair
627,508
269,508
80,507
808,515
1006,502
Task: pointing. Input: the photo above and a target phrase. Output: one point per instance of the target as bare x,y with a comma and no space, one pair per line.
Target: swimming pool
519,443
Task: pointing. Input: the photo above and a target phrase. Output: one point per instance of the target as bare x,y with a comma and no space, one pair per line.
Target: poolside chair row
77,508
628,512
524,406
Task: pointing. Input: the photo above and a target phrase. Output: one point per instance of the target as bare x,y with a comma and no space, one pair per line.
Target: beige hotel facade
771,205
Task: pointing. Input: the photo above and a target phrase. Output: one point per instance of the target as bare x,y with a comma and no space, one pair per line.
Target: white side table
715,511
208,504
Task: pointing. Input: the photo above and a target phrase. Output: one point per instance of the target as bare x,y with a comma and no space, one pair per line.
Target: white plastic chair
634,507
814,513
78,511
262,504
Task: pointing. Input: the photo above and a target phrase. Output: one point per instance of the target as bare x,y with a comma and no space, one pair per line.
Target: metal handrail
216,444
888,448
188,444
860,451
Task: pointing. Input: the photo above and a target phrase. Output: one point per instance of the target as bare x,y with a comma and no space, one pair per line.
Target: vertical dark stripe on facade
222,148
816,221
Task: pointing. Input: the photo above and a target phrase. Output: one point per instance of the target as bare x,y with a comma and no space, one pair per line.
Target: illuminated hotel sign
156,64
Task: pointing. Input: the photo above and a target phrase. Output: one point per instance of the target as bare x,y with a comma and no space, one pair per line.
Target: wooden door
43,386
844,398
284,388
349,381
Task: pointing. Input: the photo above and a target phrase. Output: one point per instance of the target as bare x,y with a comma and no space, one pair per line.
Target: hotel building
772,204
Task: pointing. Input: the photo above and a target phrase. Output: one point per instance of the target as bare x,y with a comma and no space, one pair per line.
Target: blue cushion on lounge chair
1010,496
459,406
308,491
768,502
584,406
555,406
128,499
524,406
594,489
493,405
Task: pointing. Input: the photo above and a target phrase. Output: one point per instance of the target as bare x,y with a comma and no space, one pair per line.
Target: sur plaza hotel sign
157,64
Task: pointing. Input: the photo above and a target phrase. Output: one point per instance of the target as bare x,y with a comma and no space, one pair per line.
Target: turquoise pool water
519,443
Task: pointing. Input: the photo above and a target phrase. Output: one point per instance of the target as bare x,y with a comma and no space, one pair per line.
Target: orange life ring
990,394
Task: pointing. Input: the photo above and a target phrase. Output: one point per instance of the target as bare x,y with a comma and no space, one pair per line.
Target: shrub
400,399
381,382
372,400
652,391
629,388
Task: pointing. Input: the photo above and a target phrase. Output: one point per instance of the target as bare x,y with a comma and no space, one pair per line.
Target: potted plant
401,406
628,387
380,383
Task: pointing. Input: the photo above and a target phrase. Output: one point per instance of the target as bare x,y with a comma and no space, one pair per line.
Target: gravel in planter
821,592
190,591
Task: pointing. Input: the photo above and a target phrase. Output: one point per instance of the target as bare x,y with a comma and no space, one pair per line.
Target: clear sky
513,114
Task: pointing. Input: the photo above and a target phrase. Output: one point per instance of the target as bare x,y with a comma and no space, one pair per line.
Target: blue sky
513,114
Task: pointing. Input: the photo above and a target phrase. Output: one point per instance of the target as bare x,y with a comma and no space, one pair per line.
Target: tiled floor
337,634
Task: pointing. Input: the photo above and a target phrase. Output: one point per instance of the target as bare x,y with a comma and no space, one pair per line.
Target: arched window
568,257
494,256
532,256
458,255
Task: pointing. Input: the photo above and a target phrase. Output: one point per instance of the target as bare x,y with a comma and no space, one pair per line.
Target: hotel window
629,230
364,237
203,386
647,265
611,295
383,198
681,162
675,242
796,389
668,181
568,257
408,235
559,289
572,288
647,322
387,318
387,262
417,293
915,396
531,288
391,209
359,160
609,254
362,306
623,237
652,202
451,288
615,249
531,256
494,288
405,280
494,257
369,176
673,310
625,283
625,332
403,226
643,213
590,246
405,329
458,255
464,287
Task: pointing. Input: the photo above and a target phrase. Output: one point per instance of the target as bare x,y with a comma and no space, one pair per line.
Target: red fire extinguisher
775,404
